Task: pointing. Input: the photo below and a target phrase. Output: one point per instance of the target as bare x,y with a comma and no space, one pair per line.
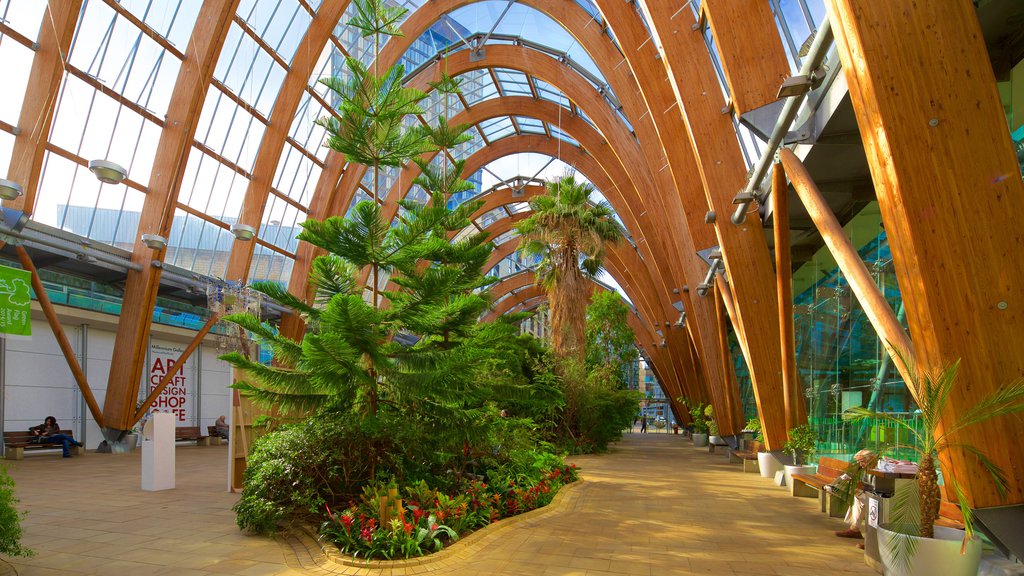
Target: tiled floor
654,506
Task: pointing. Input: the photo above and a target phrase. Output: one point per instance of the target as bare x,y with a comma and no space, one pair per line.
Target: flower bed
384,526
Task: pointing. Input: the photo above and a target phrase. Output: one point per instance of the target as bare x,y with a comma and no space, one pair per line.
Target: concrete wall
36,381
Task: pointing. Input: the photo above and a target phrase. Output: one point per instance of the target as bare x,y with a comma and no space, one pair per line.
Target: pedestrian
49,433
643,424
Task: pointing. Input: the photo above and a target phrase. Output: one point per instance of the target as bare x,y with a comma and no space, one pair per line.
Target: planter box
769,463
939,555
700,440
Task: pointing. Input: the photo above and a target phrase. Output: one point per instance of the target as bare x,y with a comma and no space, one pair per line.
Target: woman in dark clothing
49,433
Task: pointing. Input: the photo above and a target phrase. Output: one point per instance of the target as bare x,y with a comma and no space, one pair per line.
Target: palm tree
919,508
569,234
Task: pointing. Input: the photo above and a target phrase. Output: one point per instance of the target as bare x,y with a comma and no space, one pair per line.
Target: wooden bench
748,456
18,442
182,433
215,437
813,485
720,443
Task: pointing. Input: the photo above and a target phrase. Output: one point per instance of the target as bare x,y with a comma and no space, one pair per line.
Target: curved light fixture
243,232
154,241
107,171
9,189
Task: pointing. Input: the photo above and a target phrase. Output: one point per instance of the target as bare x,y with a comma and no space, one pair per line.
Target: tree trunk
928,486
568,302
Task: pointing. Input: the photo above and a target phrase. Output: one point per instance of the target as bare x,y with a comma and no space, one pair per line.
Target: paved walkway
653,506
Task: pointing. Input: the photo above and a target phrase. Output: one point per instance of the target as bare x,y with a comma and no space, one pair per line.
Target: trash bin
877,511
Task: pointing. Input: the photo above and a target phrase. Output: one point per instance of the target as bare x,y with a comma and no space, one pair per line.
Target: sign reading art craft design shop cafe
15,301
175,397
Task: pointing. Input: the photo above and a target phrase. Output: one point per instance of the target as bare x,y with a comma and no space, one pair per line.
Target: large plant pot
700,440
715,440
770,462
939,555
804,469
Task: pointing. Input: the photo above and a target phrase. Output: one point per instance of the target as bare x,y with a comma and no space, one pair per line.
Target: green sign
15,301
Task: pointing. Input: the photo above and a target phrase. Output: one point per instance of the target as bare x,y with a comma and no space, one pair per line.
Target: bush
295,471
10,519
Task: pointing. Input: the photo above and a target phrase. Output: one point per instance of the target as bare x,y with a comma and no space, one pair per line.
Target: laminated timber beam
186,105
649,99
59,21
722,171
949,190
268,156
784,280
753,70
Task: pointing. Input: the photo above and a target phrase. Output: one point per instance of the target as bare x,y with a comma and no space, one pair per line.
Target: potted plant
709,414
752,431
801,445
911,544
700,425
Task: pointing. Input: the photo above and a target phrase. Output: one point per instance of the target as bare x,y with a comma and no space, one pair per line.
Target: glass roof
122,68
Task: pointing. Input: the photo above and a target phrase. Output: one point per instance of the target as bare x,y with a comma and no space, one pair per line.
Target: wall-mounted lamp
243,232
795,86
108,172
154,241
9,189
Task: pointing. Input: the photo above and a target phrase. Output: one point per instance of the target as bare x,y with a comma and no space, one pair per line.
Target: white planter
700,440
769,463
939,555
715,439
790,470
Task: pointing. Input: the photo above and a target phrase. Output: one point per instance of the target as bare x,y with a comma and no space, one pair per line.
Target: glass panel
280,224
117,53
229,130
840,359
270,266
72,199
296,175
198,245
212,188
17,61
24,16
279,23
172,20
249,71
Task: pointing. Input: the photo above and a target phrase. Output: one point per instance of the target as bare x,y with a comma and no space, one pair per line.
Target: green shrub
802,443
295,471
10,519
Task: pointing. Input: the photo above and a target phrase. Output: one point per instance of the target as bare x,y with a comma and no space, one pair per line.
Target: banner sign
15,301
175,397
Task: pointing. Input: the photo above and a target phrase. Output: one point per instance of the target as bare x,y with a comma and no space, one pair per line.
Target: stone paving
654,505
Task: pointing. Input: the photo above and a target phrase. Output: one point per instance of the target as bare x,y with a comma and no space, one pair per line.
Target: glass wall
840,360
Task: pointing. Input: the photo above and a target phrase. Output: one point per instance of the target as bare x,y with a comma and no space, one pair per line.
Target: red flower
433,527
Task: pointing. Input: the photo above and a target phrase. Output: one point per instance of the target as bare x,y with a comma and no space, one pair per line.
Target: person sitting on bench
866,460
222,427
49,433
